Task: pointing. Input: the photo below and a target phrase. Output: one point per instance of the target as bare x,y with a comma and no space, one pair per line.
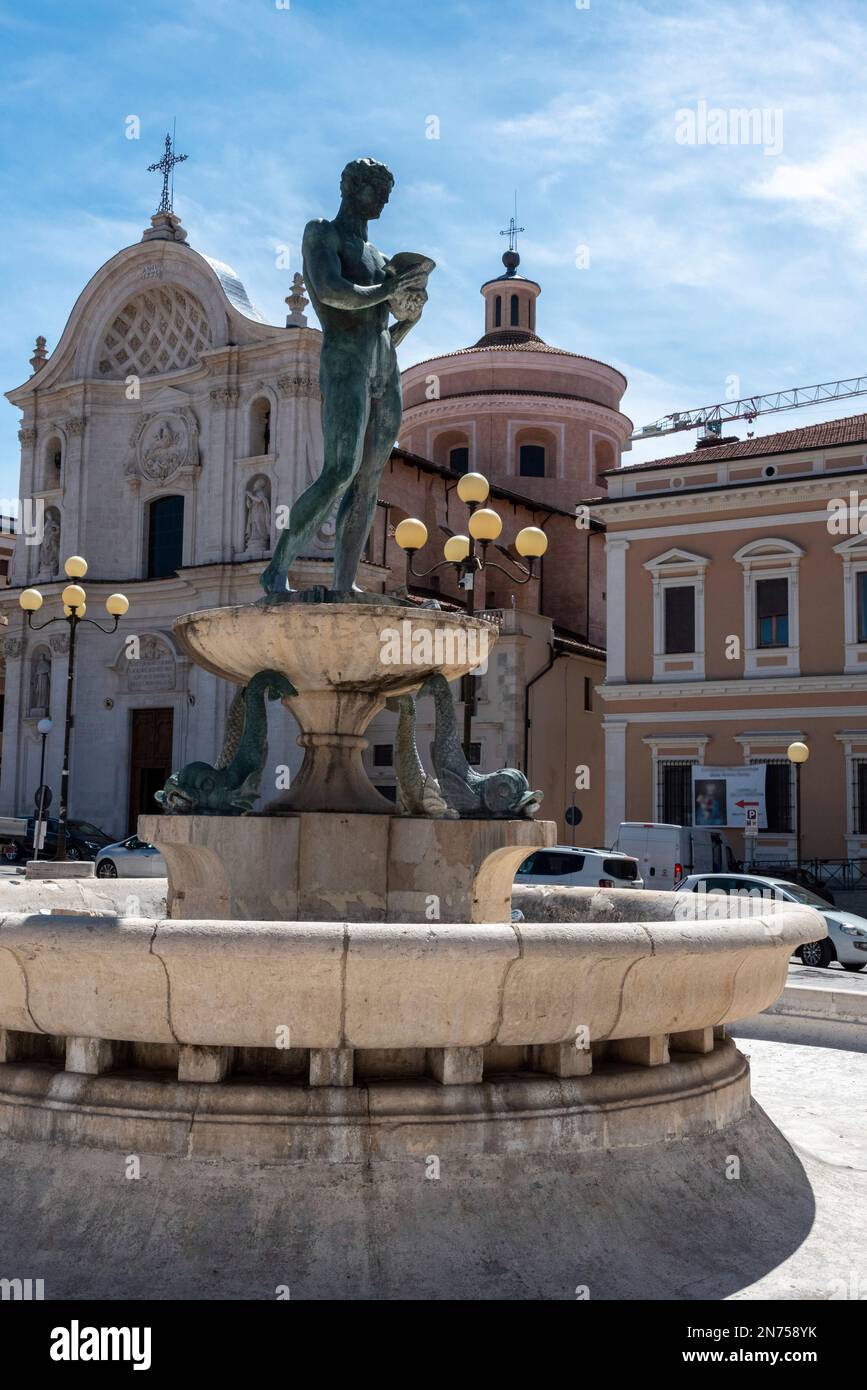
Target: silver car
846,941
130,858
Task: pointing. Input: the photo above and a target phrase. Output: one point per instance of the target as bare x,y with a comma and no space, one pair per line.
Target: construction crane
712,417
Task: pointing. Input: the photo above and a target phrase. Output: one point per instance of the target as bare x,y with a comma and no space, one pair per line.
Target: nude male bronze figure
353,289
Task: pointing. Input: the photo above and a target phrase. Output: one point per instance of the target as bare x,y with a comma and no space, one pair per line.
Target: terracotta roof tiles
831,434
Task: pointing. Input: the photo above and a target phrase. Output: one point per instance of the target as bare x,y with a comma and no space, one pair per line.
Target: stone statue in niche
257,527
49,550
40,685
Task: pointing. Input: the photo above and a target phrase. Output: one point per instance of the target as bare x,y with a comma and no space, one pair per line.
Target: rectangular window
383,754
772,612
778,795
531,461
475,757
861,592
674,791
679,619
588,693
859,792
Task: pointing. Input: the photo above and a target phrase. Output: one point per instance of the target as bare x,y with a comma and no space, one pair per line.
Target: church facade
165,439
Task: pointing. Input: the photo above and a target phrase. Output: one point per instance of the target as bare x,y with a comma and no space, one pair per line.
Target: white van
667,854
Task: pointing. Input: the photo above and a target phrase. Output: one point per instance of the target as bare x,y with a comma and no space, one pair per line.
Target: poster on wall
729,796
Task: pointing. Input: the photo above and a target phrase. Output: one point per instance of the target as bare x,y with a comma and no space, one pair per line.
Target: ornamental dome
537,419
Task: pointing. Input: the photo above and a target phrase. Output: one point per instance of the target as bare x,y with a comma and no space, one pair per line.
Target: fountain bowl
345,660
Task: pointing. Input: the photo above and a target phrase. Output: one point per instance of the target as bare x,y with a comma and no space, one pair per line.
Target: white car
846,941
580,868
130,858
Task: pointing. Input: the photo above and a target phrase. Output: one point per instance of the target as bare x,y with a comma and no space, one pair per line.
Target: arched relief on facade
604,459
448,441
147,662
257,517
164,446
161,329
535,452
39,683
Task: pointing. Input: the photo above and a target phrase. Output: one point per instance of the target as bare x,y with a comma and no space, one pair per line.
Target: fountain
338,1064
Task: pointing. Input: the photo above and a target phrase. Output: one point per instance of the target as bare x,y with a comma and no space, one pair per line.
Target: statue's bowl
345,660
375,648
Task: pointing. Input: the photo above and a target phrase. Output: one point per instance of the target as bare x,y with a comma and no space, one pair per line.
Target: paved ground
835,977
817,1097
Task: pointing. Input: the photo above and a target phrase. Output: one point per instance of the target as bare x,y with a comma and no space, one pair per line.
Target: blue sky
707,262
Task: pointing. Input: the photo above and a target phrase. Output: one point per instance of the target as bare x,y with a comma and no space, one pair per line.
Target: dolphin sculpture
230,787
457,788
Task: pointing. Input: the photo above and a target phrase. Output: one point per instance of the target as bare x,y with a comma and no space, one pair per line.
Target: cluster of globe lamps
74,597
74,601
484,526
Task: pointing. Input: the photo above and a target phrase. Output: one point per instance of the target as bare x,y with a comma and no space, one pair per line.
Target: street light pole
798,753
44,728
74,608
63,809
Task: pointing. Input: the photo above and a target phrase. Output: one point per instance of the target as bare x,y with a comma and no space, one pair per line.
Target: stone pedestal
325,867
64,868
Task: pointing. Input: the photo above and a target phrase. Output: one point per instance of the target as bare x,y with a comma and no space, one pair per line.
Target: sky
704,256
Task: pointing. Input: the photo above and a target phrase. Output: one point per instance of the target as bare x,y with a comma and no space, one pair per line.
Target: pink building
737,626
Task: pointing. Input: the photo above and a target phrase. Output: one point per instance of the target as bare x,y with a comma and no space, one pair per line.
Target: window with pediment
678,614
771,606
853,554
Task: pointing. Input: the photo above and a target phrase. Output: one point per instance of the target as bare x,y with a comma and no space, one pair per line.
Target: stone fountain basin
396,986
327,647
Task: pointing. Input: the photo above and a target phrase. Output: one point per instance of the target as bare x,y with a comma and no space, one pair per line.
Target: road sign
46,803
574,815
722,796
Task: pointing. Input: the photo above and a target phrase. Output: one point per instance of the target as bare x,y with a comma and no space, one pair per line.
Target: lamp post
44,728
74,608
798,753
484,526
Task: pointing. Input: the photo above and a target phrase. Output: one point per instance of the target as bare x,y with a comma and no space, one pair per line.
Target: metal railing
844,874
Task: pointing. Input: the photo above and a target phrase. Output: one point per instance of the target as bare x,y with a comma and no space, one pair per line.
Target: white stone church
161,435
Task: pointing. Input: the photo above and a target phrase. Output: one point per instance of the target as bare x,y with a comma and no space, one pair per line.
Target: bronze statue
353,289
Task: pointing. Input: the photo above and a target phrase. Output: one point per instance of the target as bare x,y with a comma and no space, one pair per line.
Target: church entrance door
150,762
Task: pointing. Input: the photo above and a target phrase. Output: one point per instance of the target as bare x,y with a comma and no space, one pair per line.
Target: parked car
846,941
667,854
791,874
83,841
130,858
580,868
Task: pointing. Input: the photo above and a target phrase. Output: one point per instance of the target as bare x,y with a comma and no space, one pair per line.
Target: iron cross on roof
166,167
513,229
